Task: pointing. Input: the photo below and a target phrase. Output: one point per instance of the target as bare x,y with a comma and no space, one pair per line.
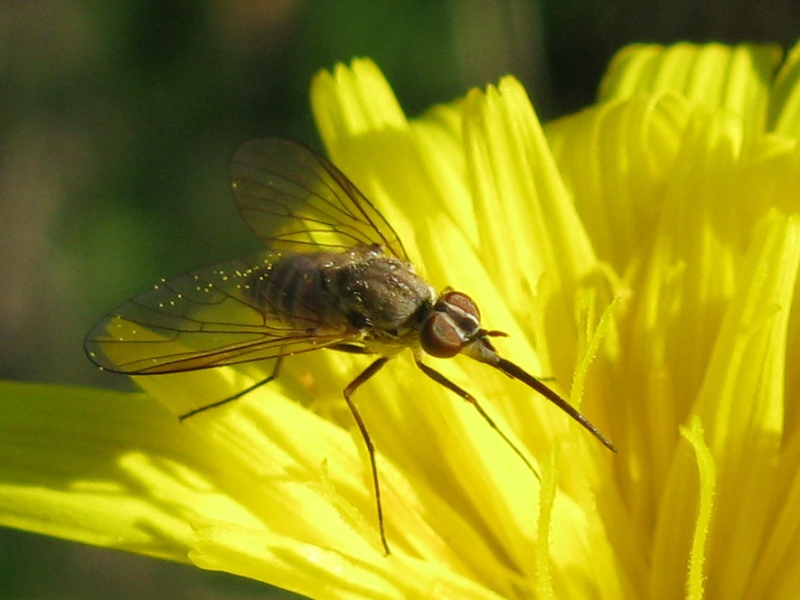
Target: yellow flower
643,253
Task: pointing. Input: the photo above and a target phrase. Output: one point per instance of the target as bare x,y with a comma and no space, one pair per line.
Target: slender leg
441,379
348,391
238,395
349,348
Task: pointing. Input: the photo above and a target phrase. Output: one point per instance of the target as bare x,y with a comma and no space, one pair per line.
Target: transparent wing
208,318
296,201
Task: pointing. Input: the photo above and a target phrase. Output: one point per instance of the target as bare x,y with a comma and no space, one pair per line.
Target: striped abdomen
362,290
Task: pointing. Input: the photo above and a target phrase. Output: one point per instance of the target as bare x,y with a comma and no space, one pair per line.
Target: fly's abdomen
294,290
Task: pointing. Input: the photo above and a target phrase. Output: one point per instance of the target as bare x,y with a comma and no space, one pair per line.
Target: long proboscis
516,372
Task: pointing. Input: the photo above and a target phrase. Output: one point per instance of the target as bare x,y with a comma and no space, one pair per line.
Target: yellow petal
784,113
735,79
73,466
616,159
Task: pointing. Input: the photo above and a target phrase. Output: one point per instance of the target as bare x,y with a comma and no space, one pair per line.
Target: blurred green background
117,120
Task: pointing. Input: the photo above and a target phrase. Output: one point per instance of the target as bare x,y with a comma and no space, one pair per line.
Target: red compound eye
462,305
440,336
453,323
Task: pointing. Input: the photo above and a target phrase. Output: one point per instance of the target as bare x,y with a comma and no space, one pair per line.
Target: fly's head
454,326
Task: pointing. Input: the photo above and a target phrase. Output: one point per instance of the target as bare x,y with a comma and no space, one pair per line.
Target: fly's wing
208,318
296,201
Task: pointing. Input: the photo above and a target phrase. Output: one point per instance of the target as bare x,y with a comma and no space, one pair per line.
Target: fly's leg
349,348
441,379
238,395
348,391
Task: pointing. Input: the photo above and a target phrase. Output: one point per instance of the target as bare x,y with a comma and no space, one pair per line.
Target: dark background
116,123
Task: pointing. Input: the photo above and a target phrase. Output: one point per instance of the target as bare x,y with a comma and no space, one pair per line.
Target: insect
334,275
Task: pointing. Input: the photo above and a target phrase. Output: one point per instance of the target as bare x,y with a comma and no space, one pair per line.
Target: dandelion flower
642,254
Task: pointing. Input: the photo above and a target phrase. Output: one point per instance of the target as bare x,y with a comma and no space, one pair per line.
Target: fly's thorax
383,296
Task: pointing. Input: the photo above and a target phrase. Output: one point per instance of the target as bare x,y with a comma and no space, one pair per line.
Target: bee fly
334,275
